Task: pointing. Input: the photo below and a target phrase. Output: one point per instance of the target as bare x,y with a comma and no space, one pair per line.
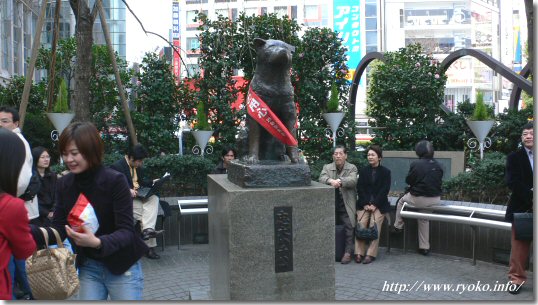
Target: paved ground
184,275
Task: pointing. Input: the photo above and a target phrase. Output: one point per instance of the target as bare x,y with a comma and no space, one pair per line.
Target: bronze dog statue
272,84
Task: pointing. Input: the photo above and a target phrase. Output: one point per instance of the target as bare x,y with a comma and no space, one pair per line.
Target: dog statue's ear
258,43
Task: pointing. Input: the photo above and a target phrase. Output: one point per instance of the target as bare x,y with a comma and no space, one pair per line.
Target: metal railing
475,217
197,206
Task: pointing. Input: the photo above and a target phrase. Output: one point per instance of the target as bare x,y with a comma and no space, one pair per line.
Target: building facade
18,21
441,27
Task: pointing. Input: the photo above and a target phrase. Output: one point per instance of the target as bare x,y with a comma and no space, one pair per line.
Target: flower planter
202,137
480,129
334,119
60,120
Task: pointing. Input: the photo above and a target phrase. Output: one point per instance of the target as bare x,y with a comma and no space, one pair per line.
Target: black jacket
220,169
109,194
425,178
378,188
47,193
518,177
122,167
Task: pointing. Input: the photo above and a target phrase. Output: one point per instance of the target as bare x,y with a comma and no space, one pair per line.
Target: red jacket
15,238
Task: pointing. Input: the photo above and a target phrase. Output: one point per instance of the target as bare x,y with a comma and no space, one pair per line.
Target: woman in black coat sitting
373,188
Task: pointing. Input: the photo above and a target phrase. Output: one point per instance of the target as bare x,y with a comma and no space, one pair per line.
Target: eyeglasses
6,121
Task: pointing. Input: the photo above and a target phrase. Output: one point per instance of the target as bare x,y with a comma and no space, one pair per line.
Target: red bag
83,213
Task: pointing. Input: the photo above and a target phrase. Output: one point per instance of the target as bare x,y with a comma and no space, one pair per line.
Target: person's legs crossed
398,221
423,224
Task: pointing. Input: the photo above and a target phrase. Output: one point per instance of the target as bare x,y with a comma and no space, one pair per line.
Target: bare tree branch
175,48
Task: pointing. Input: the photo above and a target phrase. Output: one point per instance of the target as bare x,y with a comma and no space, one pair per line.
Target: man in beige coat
342,175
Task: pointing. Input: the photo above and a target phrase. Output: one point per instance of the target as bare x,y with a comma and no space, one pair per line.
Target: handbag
523,226
369,233
51,272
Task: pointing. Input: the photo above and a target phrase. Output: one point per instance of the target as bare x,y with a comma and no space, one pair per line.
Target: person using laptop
145,210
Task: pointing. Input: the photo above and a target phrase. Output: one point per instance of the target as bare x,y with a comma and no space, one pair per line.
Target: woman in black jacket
373,188
47,192
424,181
109,250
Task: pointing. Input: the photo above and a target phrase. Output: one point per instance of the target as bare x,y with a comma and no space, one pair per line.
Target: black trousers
343,218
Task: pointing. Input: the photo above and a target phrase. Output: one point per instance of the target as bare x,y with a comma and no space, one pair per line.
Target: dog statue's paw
292,153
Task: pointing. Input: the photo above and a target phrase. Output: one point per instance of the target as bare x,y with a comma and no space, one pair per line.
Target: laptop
146,192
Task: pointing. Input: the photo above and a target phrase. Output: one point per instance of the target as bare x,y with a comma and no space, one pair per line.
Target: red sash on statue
260,112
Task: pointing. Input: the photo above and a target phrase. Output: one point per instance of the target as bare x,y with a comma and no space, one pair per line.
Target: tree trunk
84,35
530,30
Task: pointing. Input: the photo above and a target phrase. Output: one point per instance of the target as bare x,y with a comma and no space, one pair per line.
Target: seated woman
373,188
47,193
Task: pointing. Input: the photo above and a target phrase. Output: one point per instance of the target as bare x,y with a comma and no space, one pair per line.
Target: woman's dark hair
377,149
424,149
137,152
36,154
225,151
87,140
12,156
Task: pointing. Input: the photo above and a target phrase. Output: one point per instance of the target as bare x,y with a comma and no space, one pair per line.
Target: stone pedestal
268,173
272,244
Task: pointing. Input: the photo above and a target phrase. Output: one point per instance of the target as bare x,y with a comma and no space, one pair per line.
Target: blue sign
347,25
175,20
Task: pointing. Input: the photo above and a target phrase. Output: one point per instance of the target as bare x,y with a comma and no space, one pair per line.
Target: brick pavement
184,275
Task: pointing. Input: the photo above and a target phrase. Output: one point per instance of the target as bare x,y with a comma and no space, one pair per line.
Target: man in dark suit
145,210
519,178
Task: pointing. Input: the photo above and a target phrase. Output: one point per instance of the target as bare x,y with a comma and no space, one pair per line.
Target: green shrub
332,104
483,183
201,118
61,104
188,173
480,110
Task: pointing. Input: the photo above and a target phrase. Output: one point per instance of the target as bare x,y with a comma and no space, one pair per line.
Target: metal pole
31,65
126,112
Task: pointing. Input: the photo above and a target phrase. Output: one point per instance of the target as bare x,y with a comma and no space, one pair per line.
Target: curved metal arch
516,90
491,62
365,61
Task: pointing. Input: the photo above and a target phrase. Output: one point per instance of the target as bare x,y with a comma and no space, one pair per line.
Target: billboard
176,38
347,24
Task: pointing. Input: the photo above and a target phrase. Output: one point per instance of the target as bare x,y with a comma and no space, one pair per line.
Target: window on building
449,101
263,10
249,11
233,16
281,11
193,69
293,12
402,19
316,15
193,45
